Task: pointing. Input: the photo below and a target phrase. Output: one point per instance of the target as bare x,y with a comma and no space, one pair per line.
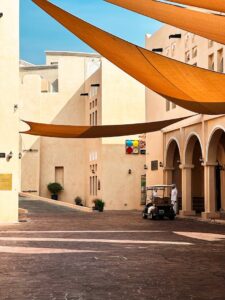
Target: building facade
81,89
9,126
190,153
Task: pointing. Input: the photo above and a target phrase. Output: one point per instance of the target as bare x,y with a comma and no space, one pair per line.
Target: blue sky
39,32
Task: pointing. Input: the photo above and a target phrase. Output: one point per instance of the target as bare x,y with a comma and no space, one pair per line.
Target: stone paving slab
53,256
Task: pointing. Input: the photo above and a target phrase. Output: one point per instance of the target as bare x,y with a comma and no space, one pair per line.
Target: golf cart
158,203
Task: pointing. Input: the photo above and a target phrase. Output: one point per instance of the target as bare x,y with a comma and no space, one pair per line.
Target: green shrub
54,188
78,201
99,204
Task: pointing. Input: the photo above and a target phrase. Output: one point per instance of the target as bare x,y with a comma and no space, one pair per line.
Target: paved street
63,254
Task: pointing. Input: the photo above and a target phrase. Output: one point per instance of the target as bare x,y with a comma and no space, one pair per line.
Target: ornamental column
210,191
186,191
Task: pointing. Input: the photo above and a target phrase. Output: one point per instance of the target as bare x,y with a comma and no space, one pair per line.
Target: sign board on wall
154,165
5,182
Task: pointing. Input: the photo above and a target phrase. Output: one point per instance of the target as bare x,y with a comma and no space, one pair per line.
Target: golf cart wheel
151,217
144,216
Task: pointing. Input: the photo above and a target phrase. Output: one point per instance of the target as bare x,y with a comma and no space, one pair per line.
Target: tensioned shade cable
67,131
207,25
216,5
193,88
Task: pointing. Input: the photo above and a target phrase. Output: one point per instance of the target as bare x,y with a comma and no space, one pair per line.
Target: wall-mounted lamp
179,162
15,107
20,155
1,15
201,160
129,171
93,171
161,164
9,156
145,167
157,50
175,36
30,150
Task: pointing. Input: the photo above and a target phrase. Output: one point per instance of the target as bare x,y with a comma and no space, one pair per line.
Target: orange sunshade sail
207,25
193,88
216,5
66,131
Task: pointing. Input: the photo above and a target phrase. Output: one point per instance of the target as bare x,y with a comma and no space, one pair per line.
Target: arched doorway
216,158
173,170
194,159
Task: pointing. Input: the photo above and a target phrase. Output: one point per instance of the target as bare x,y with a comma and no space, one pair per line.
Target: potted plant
99,205
78,201
54,188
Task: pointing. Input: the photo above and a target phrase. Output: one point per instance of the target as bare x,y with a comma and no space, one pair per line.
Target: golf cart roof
160,186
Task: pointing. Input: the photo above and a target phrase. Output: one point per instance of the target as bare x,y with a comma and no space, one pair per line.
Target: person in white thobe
151,205
174,193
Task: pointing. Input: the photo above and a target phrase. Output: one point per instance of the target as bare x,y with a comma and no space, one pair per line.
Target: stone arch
192,138
171,148
216,160
213,142
193,156
172,168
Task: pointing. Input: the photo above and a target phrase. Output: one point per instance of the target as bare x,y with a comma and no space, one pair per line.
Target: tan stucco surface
9,86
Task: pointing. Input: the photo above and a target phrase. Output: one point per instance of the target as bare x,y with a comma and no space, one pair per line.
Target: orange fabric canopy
66,131
204,24
193,88
216,5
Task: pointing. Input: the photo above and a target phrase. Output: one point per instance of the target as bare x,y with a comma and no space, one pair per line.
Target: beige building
190,153
9,86
81,89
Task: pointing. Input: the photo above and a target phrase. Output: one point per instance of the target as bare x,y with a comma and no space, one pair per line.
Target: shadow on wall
42,157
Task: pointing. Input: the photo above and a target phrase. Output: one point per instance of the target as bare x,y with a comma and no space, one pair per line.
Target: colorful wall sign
132,146
136,146
5,182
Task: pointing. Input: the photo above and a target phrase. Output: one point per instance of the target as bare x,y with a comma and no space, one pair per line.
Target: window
167,51
210,44
93,91
187,38
90,185
96,102
220,60
44,85
173,48
211,62
59,175
96,118
90,121
187,56
173,105
95,185
194,52
55,86
195,64
167,105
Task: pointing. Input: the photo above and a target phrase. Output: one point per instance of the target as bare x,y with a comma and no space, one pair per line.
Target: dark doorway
218,187
197,179
176,176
